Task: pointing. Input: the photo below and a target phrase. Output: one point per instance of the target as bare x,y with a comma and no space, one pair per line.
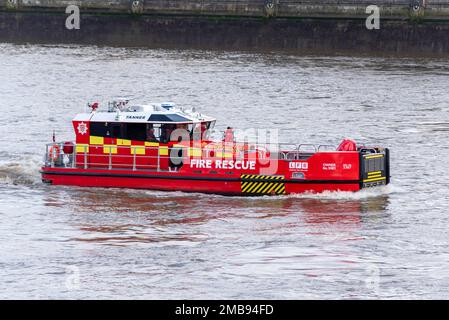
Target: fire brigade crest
82,128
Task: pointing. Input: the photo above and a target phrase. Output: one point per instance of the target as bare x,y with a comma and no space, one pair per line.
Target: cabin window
117,131
153,132
210,127
166,131
136,131
100,129
202,130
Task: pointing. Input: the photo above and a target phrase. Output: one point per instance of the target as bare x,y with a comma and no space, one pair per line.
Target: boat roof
146,113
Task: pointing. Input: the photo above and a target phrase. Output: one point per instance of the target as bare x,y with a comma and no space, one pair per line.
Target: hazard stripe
261,177
252,187
262,184
260,187
282,190
374,173
243,186
249,185
270,188
269,185
278,188
264,187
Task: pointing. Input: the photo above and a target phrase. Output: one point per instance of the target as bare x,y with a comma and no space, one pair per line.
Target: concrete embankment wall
249,8
407,26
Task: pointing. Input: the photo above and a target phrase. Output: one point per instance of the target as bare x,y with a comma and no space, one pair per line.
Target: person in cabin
182,126
151,137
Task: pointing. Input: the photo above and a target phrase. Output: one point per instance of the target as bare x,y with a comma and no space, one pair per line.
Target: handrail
280,145
86,159
330,147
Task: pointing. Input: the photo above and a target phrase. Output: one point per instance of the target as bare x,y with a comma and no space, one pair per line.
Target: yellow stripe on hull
82,148
96,140
110,149
123,142
375,179
194,152
138,150
375,156
163,151
151,144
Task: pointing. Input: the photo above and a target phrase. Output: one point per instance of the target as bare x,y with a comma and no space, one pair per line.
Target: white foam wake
20,172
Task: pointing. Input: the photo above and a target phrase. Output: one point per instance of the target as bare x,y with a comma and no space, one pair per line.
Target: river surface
75,243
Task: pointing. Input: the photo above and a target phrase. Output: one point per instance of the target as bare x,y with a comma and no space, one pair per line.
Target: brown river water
75,243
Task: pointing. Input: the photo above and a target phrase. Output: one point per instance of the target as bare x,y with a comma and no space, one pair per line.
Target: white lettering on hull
298,166
222,164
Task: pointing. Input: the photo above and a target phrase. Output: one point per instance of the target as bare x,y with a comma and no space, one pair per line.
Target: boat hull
245,185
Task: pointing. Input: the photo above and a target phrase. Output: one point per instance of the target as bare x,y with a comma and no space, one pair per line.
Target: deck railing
149,158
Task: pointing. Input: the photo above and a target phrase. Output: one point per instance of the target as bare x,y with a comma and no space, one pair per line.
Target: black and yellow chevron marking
261,184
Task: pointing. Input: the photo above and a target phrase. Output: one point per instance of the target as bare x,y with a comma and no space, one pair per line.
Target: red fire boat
162,147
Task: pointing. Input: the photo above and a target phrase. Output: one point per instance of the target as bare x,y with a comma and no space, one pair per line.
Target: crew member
151,137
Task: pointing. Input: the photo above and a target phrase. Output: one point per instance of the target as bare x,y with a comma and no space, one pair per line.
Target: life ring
54,153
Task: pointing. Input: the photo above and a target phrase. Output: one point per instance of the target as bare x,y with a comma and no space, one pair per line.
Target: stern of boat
374,167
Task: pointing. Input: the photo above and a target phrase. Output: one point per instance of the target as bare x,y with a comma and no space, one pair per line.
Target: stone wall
251,8
295,26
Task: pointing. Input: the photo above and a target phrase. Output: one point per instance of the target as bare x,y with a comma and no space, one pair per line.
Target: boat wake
363,194
345,195
22,172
